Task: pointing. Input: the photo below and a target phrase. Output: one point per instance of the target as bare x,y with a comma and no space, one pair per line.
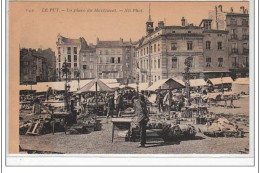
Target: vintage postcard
119,79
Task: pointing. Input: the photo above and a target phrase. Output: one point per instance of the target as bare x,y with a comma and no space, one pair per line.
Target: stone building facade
37,65
114,60
237,25
68,49
162,52
87,59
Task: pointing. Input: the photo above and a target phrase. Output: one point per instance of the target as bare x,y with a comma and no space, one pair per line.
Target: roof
58,86
242,81
141,86
113,85
91,86
166,84
197,82
217,81
109,81
70,41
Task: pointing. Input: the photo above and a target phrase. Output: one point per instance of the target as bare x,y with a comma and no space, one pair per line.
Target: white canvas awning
141,86
218,81
242,81
197,82
91,86
170,83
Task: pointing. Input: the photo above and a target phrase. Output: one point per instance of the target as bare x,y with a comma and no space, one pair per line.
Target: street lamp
187,64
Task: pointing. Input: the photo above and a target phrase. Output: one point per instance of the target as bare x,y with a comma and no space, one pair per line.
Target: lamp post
65,70
187,76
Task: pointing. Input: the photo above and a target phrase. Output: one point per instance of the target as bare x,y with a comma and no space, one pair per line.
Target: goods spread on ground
222,127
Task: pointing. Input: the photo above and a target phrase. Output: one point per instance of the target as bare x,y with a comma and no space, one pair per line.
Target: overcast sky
39,29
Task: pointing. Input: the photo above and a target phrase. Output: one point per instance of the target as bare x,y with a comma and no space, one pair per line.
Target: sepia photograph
129,78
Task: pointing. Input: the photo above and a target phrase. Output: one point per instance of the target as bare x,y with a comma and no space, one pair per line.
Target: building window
69,58
208,62
69,50
189,31
159,77
234,62
147,64
174,62
173,46
118,60
75,50
112,60
244,22
59,50
75,65
219,35
233,34
59,58
208,44
154,47
154,64
234,48
233,22
246,62
147,50
220,62
189,45
142,52
100,52
155,79
84,67
69,65
75,58
158,47
219,45
151,49
159,63
106,52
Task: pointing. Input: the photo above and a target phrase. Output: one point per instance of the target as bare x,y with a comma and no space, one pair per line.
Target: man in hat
142,117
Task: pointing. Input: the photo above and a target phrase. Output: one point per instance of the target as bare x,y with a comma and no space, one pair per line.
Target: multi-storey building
68,49
87,61
162,52
33,66
50,58
215,51
236,23
114,59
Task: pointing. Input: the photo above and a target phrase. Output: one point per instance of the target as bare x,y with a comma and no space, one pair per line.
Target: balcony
245,37
234,36
234,50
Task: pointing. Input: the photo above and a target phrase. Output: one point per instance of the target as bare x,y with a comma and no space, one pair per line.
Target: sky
39,29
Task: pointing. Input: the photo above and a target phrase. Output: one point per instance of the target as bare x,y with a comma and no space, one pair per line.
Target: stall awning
218,81
170,83
242,81
91,86
142,86
197,82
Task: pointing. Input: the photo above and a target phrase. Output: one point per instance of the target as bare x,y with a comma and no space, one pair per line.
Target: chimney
242,9
97,40
121,40
160,24
246,11
182,21
231,10
220,8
